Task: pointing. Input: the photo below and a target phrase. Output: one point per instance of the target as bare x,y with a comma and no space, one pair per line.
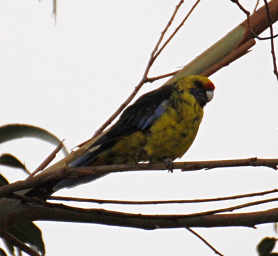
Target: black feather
139,116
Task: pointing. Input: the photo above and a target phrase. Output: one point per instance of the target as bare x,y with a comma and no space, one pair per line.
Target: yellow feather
169,137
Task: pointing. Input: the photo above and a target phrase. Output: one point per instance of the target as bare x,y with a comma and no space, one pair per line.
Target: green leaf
28,233
16,131
11,161
266,245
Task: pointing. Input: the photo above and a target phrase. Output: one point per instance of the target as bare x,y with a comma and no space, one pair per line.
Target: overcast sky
70,77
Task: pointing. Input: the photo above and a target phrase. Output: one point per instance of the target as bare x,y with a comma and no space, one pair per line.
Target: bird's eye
198,83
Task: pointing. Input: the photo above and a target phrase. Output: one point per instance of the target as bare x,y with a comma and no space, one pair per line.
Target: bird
159,126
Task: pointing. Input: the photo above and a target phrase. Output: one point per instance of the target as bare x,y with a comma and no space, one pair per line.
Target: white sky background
69,78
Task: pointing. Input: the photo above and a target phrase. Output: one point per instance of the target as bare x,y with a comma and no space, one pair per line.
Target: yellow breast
172,135
168,138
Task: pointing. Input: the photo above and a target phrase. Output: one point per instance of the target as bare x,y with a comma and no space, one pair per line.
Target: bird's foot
169,164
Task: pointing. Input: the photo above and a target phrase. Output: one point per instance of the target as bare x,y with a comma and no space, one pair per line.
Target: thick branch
83,171
148,222
249,29
259,21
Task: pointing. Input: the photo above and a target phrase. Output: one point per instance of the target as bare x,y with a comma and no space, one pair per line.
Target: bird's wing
137,117
140,115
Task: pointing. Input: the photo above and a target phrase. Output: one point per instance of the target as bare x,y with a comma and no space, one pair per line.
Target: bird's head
199,86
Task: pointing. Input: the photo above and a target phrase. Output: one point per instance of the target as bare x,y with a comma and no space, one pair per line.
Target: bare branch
52,155
64,172
272,36
154,78
256,6
271,39
236,207
240,6
58,212
234,55
54,10
145,75
155,53
176,30
204,200
204,240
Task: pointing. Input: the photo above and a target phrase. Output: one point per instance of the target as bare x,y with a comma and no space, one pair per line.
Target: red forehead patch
209,86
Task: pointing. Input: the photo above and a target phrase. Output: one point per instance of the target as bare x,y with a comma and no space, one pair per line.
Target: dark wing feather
139,116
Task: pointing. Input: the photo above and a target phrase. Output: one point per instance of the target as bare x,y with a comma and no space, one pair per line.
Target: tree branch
64,172
155,53
202,200
55,212
205,241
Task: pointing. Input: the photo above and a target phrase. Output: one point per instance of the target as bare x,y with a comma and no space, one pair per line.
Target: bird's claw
169,164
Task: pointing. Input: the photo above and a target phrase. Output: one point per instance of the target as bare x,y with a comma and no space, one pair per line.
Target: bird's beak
209,95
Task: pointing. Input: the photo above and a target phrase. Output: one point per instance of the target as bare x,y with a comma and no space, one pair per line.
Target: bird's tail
85,160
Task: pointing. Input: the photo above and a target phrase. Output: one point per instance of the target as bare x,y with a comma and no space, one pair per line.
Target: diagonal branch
177,29
205,241
48,159
144,78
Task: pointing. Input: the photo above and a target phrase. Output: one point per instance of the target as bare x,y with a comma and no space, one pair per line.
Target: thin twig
155,53
271,39
256,6
48,159
203,200
16,242
233,208
54,10
240,6
154,78
264,38
177,29
204,240
247,13
144,78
